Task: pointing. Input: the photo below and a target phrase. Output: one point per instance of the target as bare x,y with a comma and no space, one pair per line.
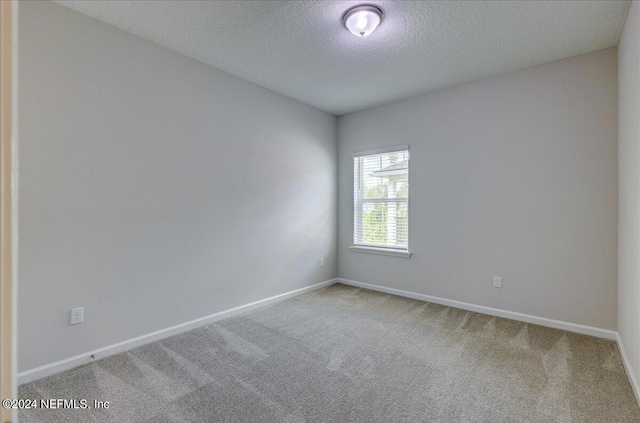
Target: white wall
629,188
155,189
513,176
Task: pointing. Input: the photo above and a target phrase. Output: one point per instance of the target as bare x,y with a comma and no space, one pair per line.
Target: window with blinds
381,199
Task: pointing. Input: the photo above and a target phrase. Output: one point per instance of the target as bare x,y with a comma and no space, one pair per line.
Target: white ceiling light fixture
363,19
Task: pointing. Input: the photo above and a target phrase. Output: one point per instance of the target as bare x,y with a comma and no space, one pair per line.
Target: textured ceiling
301,49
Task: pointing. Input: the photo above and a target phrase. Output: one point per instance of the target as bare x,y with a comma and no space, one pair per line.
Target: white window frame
393,251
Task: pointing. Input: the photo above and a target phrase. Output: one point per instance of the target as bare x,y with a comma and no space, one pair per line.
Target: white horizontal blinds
381,199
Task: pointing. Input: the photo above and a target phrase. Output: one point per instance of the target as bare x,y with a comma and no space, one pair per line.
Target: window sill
381,251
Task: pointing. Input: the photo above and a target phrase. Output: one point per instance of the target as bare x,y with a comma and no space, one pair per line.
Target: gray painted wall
513,176
629,188
155,189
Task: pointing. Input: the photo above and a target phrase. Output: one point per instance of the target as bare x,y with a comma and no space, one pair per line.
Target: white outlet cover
77,315
321,262
497,282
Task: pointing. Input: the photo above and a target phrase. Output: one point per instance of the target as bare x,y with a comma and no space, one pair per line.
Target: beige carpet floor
343,354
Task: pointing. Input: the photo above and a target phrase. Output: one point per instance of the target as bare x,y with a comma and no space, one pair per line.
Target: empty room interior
321,211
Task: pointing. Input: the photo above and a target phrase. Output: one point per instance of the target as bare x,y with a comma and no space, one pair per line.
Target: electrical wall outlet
497,282
321,262
77,315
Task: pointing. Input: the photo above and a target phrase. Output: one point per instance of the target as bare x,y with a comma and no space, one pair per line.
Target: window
381,200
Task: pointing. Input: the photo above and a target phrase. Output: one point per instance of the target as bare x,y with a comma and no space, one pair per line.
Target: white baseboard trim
527,318
78,360
627,366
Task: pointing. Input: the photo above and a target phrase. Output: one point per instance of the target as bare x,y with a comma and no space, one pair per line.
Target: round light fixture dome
362,20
